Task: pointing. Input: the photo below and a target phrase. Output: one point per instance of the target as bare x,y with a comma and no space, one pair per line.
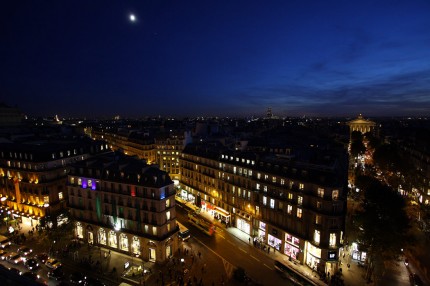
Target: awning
222,211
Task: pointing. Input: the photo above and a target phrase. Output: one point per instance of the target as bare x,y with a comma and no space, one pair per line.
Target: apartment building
121,203
33,177
295,205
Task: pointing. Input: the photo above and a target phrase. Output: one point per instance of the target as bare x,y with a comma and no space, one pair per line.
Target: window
167,203
273,179
266,177
154,230
168,215
257,186
290,196
272,203
299,213
319,204
301,186
90,183
264,200
335,195
320,192
79,181
258,175
317,219
317,236
332,242
265,189
280,205
46,200
299,200
289,209
72,180
282,182
60,195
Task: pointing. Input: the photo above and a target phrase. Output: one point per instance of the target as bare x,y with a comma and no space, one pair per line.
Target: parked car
24,250
14,258
52,263
90,281
56,273
3,254
31,263
77,278
16,271
42,257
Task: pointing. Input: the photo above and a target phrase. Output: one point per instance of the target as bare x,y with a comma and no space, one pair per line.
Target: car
31,275
56,273
3,255
14,258
42,257
16,271
24,250
31,263
52,263
77,278
91,281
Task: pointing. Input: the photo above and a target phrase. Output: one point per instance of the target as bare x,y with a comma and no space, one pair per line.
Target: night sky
216,58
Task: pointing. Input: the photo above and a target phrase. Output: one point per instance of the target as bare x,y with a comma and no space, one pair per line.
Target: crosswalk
228,267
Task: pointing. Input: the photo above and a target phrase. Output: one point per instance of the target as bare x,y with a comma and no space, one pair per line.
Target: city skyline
216,58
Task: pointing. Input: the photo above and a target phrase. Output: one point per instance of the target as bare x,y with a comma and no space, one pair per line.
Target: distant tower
269,113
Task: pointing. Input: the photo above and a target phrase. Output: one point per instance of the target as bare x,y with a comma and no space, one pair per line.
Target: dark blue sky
206,58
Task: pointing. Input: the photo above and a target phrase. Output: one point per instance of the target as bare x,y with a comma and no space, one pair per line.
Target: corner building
123,204
295,205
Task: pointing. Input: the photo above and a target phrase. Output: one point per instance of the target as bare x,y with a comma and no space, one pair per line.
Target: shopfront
135,246
79,230
292,246
261,231
243,222
357,254
123,242
313,256
102,236
112,239
222,215
274,242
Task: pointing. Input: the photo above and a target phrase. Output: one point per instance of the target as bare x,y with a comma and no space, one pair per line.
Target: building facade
33,177
361,125
125,205
298,208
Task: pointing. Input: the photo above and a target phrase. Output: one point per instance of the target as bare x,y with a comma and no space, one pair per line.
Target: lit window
272,203
257,186
273,179
60,195
335,195
46,200
290,196
319,204
320,192
265,189
266,177
332,242
317,236
264,200
299,213
167,203
317,219
79,181
289,209
168,215
299,200
90,183
301,186
72,180
282,182
258,175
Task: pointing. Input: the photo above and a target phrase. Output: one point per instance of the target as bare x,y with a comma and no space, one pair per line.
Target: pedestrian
268,249
249,240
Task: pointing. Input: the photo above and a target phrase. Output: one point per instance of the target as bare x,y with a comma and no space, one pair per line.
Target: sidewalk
353,276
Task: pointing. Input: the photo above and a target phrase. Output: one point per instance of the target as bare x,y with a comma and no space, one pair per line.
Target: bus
184,233
201,222
293,275
4,241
